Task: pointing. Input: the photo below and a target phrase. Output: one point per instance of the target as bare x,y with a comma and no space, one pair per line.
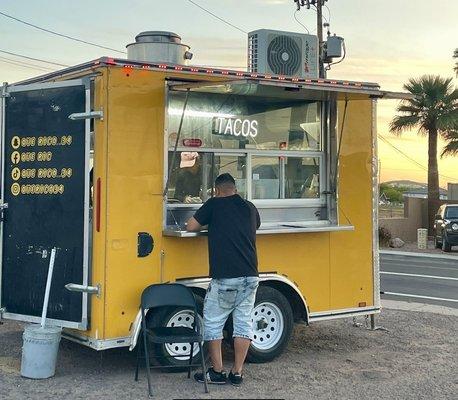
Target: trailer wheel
175,354
273,321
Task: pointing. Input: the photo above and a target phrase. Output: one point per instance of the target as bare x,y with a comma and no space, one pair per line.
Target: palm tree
451,148
432,111
455,55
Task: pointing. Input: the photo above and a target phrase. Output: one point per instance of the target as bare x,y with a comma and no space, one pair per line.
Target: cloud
391,73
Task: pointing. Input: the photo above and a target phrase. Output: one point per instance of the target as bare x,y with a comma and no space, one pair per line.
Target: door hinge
74,287
4,92
3,207
86,115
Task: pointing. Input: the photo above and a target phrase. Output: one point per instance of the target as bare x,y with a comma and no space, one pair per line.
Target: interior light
195,113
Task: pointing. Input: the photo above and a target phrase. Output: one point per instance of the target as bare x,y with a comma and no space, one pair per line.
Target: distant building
422,193
383,199
452,191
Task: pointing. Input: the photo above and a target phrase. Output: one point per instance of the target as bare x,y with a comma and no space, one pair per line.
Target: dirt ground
416,359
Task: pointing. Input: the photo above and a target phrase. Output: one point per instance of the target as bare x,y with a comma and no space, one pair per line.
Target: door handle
74,287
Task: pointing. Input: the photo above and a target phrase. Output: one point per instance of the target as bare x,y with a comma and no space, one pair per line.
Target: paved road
425,279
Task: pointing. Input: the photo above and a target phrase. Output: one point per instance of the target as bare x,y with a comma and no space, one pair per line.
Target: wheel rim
268,325
180,351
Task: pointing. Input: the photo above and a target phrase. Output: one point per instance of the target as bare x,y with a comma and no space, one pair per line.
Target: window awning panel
288,90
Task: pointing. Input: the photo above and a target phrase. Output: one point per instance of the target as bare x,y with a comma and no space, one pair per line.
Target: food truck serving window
274,147
217,121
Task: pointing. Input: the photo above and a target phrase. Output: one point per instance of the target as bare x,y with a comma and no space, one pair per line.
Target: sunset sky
387,42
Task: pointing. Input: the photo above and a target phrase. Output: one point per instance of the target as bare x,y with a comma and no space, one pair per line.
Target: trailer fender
279,282
135,329
291,291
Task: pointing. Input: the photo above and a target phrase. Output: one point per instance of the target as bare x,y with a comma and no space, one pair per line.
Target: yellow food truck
92,160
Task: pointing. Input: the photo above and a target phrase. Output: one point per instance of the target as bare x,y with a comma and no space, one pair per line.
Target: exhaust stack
159,46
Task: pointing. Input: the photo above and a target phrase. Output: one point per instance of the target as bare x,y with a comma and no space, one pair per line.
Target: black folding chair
162,295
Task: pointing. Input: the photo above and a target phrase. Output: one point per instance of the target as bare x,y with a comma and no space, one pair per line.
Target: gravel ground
415,359
413,247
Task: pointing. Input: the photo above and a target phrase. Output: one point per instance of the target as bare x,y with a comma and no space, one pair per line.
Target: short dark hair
225,181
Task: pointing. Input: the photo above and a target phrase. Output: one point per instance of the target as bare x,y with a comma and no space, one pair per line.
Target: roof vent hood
159,46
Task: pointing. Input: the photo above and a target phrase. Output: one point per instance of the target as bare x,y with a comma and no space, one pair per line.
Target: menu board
45,183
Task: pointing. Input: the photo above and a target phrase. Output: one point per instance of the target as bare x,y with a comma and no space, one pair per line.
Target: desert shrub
384,236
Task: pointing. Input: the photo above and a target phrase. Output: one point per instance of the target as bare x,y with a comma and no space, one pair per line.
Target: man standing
232,223
189,179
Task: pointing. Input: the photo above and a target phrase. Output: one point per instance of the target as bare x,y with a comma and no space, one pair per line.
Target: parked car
446,227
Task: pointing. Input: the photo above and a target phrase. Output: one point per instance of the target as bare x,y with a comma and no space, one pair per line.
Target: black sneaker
235,379
213,377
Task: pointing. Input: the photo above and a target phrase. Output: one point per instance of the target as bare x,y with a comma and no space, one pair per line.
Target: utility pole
319,32
318,4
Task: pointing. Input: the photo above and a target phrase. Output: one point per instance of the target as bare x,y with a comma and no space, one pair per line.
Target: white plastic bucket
39,351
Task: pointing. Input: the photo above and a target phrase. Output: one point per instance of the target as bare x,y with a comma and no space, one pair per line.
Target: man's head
225,185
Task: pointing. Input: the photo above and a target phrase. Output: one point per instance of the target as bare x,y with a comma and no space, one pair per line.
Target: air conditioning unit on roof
283,53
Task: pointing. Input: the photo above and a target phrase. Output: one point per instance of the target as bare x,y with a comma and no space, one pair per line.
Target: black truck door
45,200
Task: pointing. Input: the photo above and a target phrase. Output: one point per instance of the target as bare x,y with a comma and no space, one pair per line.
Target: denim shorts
226,296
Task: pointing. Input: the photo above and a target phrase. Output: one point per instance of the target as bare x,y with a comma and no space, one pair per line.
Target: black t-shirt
232,223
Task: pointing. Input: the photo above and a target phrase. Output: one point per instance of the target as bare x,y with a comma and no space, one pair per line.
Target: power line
33,59
402,153
24,64
59,34
299,22
423,167
219,18
316,10
329,13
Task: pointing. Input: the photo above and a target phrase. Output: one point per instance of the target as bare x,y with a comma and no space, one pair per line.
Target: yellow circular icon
15,189
15,174
16,142
15,157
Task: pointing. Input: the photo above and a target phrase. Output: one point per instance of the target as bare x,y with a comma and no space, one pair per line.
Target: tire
271,308
175,316
446,246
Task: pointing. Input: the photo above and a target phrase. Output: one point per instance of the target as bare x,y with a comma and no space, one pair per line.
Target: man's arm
255,218
192,225
201,218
